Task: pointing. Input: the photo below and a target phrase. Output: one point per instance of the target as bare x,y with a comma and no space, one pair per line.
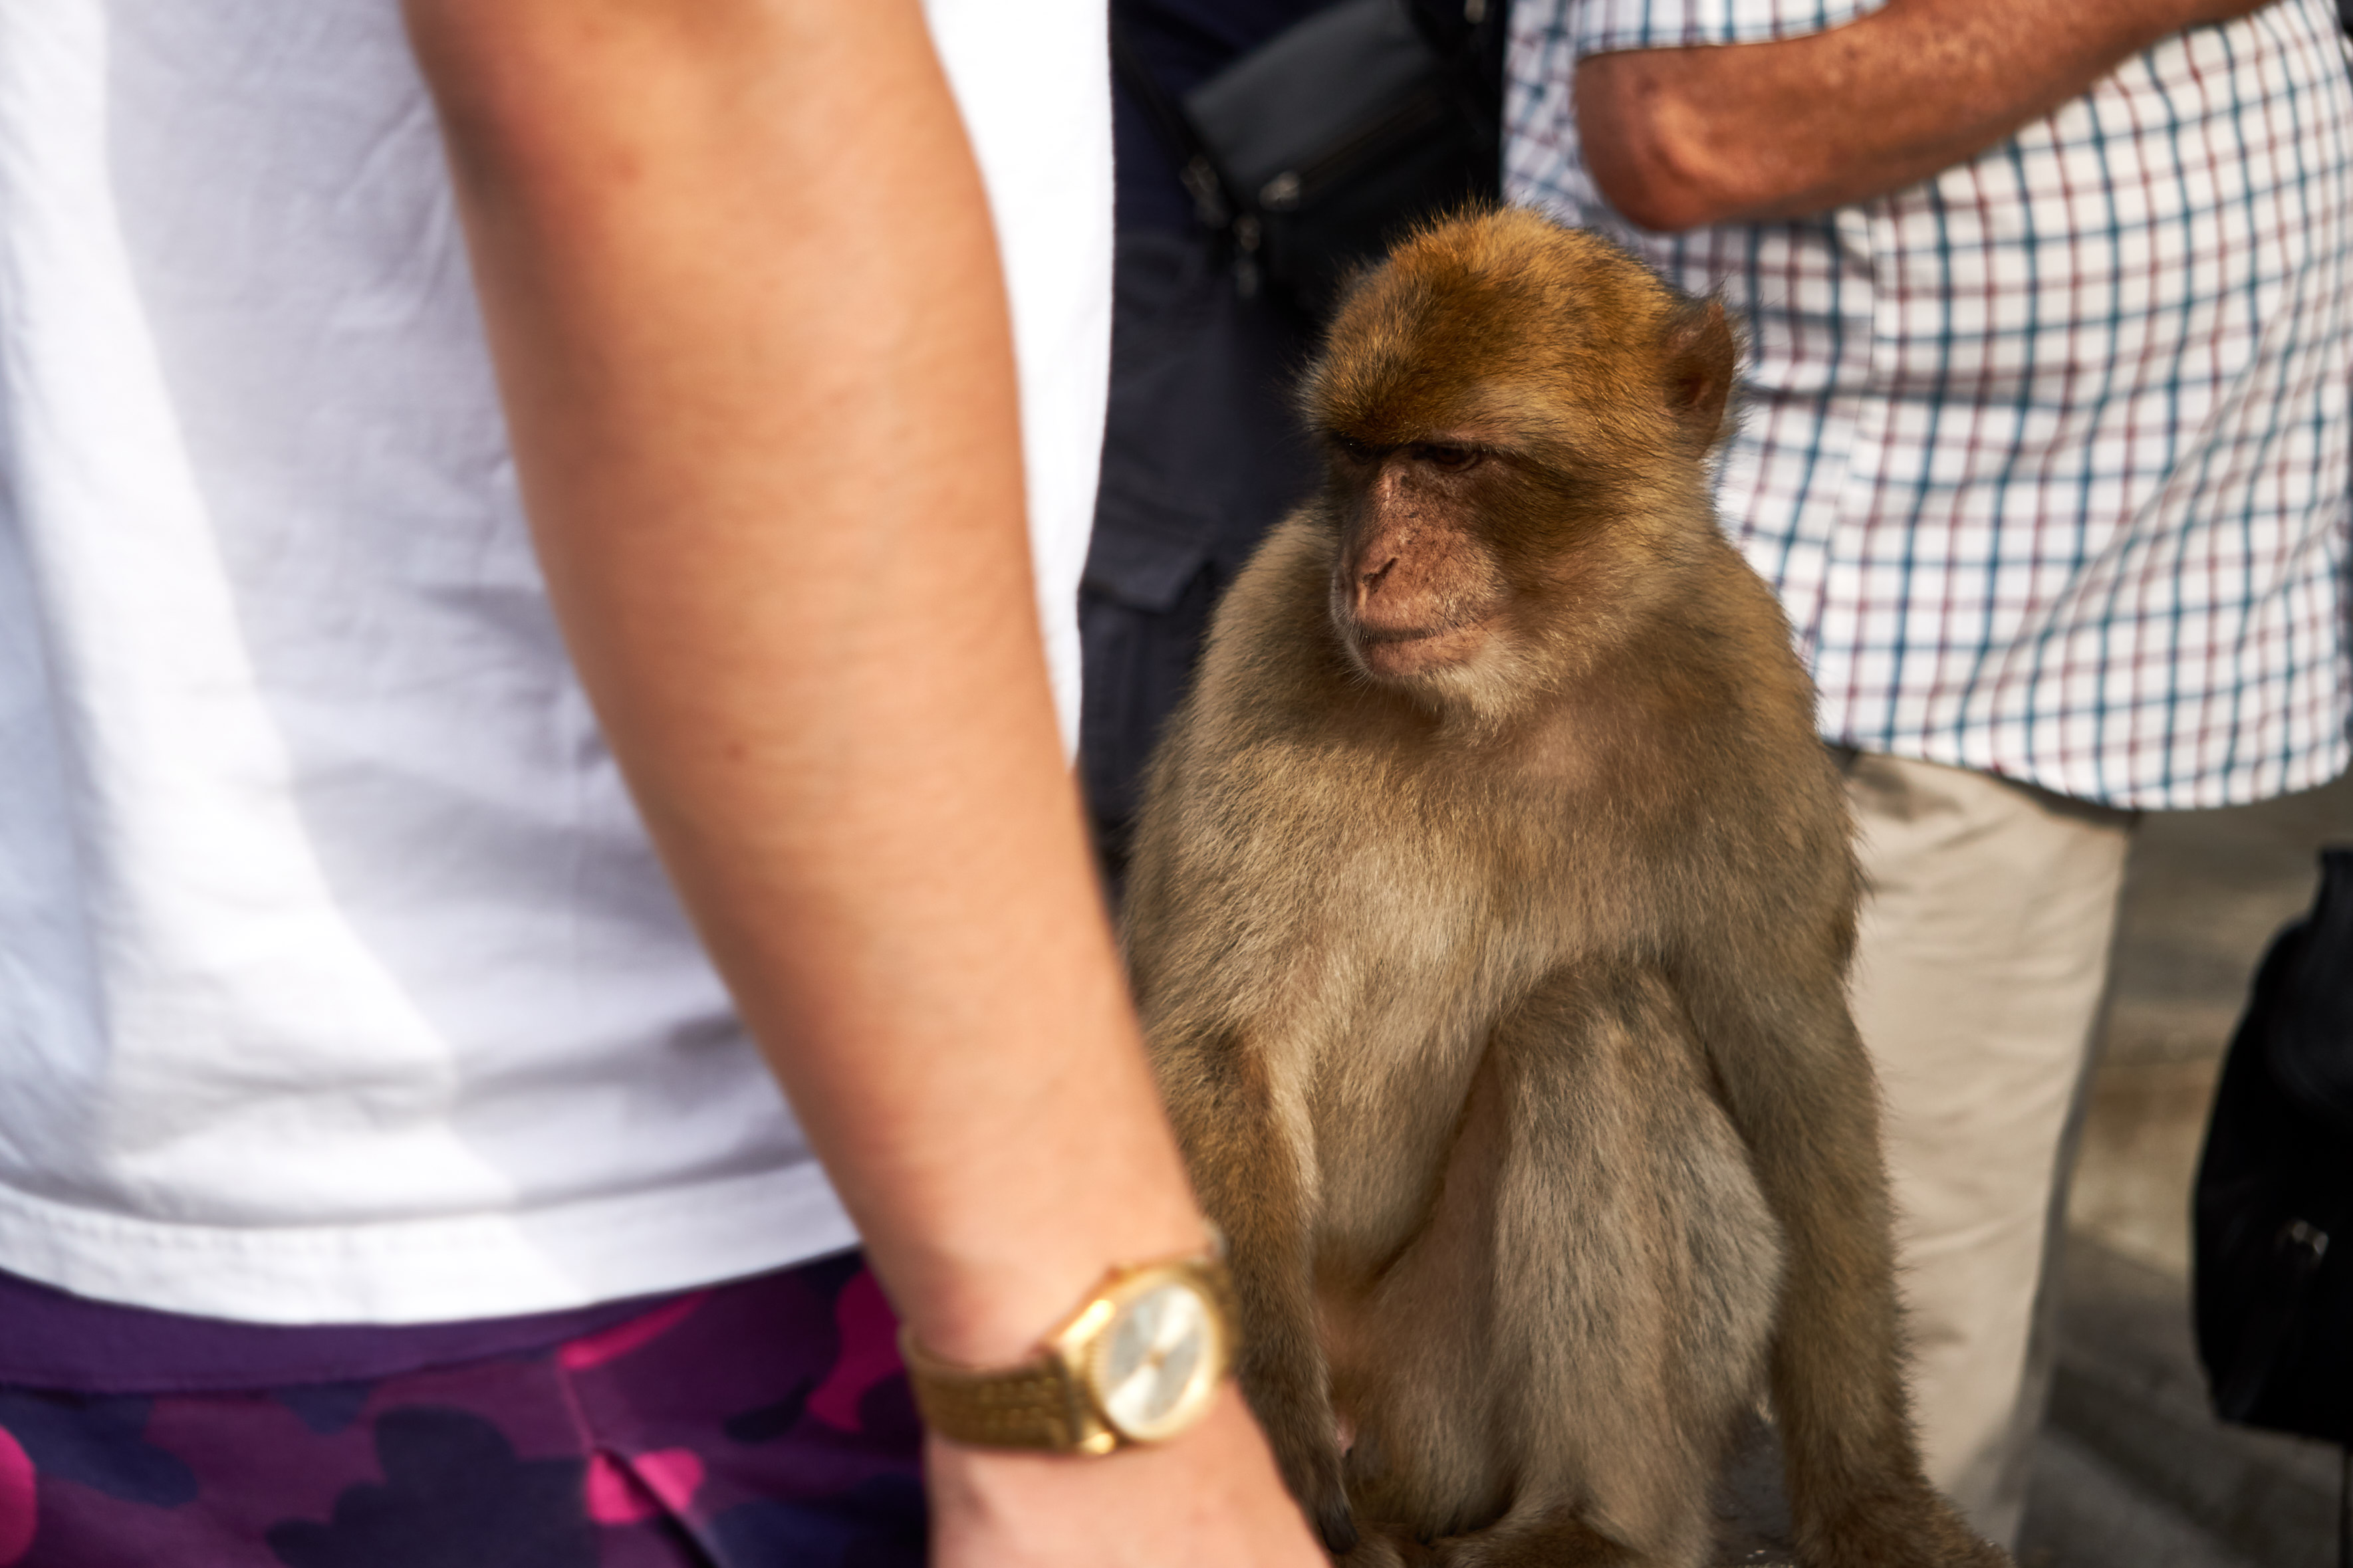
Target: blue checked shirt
2047,455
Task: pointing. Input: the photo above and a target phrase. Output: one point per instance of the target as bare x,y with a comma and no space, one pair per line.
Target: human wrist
991,1305
988,1243
1138,1358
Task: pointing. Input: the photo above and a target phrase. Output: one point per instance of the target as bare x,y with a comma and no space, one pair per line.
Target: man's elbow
1647,195
1656,157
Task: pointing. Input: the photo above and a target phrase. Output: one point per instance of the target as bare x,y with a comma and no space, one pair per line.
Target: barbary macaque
1490,915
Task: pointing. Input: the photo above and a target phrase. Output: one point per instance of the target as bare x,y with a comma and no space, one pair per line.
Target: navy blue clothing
1182,43
1201,451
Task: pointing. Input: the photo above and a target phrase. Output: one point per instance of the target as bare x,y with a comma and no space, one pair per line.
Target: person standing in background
386,1174
1202,453
2045,445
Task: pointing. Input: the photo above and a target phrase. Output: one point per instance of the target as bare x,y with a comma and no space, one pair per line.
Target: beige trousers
1978,977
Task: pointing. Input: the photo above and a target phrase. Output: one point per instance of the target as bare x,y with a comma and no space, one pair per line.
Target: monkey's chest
1384,954
1366,957
1387,1005
1364,951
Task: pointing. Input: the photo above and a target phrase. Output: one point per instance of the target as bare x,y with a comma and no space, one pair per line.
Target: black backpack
2274,1206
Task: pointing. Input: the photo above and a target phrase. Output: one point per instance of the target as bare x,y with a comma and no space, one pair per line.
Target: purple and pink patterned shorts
766,1422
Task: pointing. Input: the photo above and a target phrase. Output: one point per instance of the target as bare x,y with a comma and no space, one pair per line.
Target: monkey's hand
1298,1423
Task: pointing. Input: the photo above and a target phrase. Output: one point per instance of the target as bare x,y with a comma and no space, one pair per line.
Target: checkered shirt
2047,455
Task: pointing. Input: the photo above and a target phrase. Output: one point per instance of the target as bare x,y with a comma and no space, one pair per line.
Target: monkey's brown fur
1490,914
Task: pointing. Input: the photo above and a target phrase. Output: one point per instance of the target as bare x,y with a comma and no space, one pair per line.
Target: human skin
740,285
1746,132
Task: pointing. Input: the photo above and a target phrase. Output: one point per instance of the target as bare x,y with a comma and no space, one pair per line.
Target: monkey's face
1515,416
1416,588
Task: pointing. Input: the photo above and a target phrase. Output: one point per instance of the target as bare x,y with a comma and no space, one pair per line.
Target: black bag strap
1222,208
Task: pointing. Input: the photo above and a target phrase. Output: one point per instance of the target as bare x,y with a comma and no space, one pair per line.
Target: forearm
1681,137
751,336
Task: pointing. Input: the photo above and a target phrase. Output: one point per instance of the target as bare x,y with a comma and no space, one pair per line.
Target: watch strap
1042,1403
1037,1405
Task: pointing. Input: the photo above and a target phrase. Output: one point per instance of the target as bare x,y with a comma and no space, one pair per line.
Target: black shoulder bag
2273,1206
1316,151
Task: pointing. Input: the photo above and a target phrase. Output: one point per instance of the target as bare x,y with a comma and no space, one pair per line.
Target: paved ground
2205,892
2134,1472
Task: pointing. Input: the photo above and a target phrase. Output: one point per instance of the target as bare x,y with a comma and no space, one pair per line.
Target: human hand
1208,1497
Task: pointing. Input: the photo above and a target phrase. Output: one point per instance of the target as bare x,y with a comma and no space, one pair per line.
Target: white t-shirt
338,982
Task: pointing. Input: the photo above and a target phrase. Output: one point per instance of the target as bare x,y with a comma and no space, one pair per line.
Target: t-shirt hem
442,1269
2091,782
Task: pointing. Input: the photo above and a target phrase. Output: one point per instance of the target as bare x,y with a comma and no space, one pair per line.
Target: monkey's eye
1447,459
1353,450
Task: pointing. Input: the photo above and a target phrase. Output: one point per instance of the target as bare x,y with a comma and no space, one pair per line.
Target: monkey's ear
1699,358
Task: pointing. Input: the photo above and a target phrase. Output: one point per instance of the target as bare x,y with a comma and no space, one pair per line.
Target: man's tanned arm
1748,132
737,268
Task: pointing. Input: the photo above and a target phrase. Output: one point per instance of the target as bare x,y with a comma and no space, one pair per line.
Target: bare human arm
741,287
1746,133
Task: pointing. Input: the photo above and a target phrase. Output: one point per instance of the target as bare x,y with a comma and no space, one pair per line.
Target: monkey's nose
1387,601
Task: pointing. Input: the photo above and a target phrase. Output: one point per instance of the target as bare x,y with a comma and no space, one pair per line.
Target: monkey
1489,919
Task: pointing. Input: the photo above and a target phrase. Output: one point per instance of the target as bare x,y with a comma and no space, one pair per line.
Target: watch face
1158,1362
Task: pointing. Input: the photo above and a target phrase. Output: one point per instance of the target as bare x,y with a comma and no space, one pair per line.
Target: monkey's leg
1631,1268
1252,1160
1410,1340
1797,1081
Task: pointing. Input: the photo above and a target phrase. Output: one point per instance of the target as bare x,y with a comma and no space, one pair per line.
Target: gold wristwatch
1139,1361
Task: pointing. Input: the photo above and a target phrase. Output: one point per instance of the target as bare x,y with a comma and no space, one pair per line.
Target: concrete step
2083,1512
2129,1401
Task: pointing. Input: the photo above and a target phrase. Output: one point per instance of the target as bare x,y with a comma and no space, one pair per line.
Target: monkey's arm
1796,1083
1746,133
1252,1166
737,271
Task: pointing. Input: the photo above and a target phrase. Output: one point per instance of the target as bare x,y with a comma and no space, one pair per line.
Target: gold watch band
1046,1403
1037,1405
